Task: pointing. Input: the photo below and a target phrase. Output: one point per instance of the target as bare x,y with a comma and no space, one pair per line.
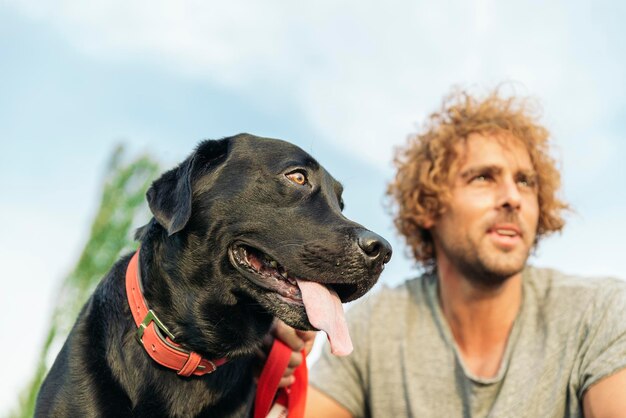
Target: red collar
150,332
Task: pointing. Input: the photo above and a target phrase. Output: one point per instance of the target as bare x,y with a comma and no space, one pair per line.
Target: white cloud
363,71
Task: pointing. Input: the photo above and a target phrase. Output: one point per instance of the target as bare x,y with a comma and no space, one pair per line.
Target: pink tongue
323,307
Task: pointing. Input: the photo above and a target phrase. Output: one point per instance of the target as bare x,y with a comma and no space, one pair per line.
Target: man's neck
480,318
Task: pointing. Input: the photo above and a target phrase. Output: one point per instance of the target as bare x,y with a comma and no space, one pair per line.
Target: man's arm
318,404
607,397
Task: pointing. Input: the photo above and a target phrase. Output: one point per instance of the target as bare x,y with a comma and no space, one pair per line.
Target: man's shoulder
553,285
548,277
409,289
398,297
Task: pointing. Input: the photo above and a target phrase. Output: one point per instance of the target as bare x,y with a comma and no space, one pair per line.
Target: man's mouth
505,236
507,230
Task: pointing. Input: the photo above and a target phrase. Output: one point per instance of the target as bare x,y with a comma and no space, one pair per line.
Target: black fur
228,193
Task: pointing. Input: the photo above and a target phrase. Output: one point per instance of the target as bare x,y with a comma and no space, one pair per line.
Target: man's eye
298,177
481,178
527,182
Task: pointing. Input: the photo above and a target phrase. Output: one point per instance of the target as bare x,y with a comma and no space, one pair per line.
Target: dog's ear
170,196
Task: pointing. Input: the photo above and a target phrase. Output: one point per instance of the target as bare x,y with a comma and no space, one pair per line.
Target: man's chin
495,272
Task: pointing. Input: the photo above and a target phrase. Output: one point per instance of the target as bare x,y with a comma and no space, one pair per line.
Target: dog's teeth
273,263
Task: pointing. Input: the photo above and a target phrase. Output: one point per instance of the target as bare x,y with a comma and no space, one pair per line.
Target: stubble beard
486,268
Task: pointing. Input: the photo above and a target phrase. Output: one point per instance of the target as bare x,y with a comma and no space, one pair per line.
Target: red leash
291,399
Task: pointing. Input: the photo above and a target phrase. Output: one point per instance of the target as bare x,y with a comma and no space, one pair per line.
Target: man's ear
170,196
427,222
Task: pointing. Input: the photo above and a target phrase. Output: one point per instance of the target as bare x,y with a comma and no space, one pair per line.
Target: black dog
239,228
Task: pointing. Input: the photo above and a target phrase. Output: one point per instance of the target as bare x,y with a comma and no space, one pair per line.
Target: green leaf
122,205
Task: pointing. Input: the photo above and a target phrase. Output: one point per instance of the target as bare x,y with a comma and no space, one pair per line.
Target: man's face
490,224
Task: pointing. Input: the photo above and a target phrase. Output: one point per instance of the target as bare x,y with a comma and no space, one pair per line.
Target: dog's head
260,219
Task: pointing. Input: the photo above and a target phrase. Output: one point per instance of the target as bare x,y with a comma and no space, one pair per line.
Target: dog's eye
298,177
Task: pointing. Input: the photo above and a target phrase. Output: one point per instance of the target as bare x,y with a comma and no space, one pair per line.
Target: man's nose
510,196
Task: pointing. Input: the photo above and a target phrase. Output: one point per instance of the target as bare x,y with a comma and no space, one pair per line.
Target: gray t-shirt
570,333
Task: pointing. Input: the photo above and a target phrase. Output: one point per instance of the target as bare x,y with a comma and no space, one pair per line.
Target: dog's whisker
282,246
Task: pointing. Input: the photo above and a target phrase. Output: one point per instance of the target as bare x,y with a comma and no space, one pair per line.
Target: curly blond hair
422,184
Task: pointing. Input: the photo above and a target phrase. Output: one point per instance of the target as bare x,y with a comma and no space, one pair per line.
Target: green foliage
121,207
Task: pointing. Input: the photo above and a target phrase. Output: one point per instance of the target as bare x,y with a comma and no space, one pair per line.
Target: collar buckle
213,367
152,317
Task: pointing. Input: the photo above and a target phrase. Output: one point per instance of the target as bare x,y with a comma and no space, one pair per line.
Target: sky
345,80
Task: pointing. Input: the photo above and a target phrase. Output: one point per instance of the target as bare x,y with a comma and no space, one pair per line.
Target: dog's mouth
321,301
267,273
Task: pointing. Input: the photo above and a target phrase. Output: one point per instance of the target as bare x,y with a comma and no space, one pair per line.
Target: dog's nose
374,246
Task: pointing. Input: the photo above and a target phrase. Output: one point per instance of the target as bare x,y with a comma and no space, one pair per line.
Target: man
480,333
